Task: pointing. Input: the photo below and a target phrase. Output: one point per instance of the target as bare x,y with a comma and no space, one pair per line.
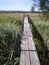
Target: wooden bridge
28,51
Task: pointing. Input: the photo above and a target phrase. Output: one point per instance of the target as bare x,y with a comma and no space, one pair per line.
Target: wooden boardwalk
28,51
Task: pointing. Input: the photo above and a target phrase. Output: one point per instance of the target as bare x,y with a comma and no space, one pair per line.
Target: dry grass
33,16
8,17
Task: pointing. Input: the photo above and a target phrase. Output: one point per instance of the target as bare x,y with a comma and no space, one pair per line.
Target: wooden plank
22,58
28,51
27,59
24,46
31,44
34,58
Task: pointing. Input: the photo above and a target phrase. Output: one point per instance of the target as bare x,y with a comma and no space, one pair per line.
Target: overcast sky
22,5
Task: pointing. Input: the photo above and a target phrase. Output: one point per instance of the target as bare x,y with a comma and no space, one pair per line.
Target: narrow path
28,51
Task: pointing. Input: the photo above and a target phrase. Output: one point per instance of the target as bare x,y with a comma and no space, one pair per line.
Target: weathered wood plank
22,58
34,58
24,45
27,59
31,44
28,51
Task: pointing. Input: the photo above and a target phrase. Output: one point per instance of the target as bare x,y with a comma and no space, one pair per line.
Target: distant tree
32,8
44,5
35,5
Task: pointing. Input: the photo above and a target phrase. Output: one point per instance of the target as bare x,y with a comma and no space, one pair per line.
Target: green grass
43,27
39,46
10,40
5,17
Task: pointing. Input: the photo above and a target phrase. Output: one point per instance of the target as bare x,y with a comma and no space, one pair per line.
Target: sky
19,5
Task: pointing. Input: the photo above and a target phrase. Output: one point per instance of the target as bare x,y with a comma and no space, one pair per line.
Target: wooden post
44,55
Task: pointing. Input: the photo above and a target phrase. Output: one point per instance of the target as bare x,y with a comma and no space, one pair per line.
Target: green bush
9,43
43,27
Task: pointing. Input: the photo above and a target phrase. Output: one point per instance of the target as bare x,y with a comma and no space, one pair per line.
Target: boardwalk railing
28,51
